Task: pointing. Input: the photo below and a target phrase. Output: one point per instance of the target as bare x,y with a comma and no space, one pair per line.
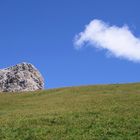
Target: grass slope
102,112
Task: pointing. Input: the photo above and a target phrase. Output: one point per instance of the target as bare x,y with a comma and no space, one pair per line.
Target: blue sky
42,32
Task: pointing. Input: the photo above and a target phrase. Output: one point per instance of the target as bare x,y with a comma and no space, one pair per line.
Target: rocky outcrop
21,77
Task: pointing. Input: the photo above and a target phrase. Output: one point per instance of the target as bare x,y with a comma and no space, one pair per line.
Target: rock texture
21,77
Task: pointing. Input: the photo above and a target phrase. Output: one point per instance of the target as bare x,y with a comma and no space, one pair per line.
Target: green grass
102,112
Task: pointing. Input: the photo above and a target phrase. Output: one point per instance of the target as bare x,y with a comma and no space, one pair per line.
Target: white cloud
118,41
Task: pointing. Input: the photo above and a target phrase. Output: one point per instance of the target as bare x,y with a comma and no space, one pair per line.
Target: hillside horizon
74,113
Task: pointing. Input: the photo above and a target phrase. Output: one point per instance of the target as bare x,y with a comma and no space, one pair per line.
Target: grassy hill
101,112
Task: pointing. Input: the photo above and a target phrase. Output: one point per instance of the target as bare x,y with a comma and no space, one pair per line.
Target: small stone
21,77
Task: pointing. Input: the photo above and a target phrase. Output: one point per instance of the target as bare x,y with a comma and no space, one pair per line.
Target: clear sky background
42,32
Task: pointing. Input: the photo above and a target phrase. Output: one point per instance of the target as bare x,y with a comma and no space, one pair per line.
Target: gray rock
21,77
